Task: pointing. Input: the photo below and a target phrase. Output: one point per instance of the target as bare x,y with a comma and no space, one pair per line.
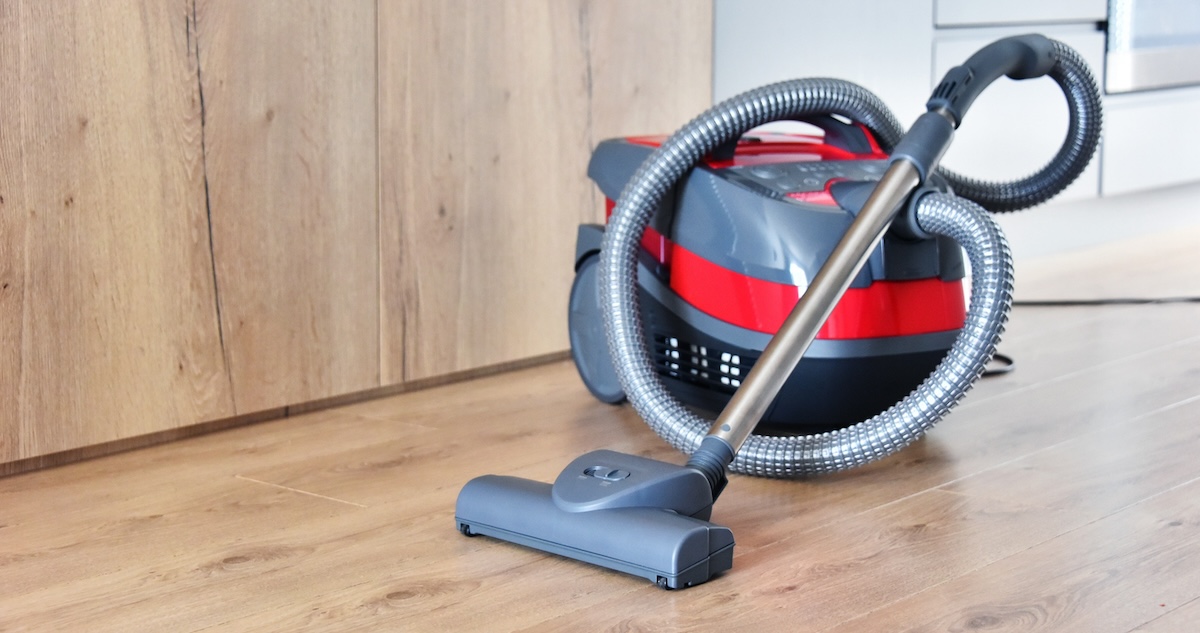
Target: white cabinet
893,49
883,46
1149,140
899,49
976,13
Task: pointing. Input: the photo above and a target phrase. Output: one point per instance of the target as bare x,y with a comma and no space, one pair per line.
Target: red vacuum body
731,251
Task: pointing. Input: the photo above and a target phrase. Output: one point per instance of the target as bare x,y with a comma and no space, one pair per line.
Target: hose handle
1017,57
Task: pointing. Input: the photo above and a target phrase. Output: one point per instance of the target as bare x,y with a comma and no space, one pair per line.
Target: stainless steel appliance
1152,44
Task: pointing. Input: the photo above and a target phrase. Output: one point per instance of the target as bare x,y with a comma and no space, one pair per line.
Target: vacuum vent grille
704,365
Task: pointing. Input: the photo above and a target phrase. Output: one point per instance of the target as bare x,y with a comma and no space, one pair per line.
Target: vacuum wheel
585,324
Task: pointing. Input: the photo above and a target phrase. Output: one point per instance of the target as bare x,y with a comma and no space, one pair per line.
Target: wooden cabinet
488,113
108,319
211,208
289,117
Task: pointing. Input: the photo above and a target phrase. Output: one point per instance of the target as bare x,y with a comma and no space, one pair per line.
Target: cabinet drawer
1148,140
975,13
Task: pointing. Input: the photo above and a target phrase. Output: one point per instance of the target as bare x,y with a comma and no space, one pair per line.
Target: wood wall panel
290,137
107,320
488,114
651,65
212,208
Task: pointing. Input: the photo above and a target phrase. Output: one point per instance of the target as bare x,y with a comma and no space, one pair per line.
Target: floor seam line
299,491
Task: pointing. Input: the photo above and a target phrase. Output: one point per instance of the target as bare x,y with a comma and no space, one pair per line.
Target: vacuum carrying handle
846,136
1017,57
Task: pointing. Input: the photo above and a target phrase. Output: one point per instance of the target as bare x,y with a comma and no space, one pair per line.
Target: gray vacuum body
628,513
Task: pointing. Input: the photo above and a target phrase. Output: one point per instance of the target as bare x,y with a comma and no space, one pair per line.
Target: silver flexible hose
799,455
1071,73
1085,120
939,214
904,422
646,189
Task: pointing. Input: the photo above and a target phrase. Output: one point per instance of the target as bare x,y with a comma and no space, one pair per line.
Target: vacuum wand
783,353
913,159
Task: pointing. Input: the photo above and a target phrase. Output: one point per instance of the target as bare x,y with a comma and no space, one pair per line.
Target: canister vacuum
813,284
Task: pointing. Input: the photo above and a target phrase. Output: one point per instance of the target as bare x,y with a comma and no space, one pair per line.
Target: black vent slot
703,365
945,89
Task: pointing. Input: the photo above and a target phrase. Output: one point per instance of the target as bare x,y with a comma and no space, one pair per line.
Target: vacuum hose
940,214
1071,74
1083,134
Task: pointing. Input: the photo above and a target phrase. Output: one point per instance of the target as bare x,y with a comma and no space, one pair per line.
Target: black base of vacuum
836,384
822,394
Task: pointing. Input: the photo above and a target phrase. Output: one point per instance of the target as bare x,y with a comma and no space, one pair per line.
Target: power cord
1003,364
1057,303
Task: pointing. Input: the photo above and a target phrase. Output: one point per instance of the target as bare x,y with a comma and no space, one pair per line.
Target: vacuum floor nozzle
609,509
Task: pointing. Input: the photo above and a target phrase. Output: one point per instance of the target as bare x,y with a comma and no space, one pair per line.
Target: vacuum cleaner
725,259
797,281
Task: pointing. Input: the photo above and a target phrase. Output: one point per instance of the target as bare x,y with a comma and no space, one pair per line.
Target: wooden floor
1064,496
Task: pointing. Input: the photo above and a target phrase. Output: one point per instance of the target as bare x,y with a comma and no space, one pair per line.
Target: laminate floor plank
1174,618
1059,497
1113,574
969,442
160,572
929,539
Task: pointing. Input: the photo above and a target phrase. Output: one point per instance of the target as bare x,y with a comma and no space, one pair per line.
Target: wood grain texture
1061,497
488,113
108,326
191,195
1174,618
1112,574
290,138
649,68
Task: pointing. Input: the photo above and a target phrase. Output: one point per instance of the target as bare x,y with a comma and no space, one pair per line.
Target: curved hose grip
1017,57
1085,111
